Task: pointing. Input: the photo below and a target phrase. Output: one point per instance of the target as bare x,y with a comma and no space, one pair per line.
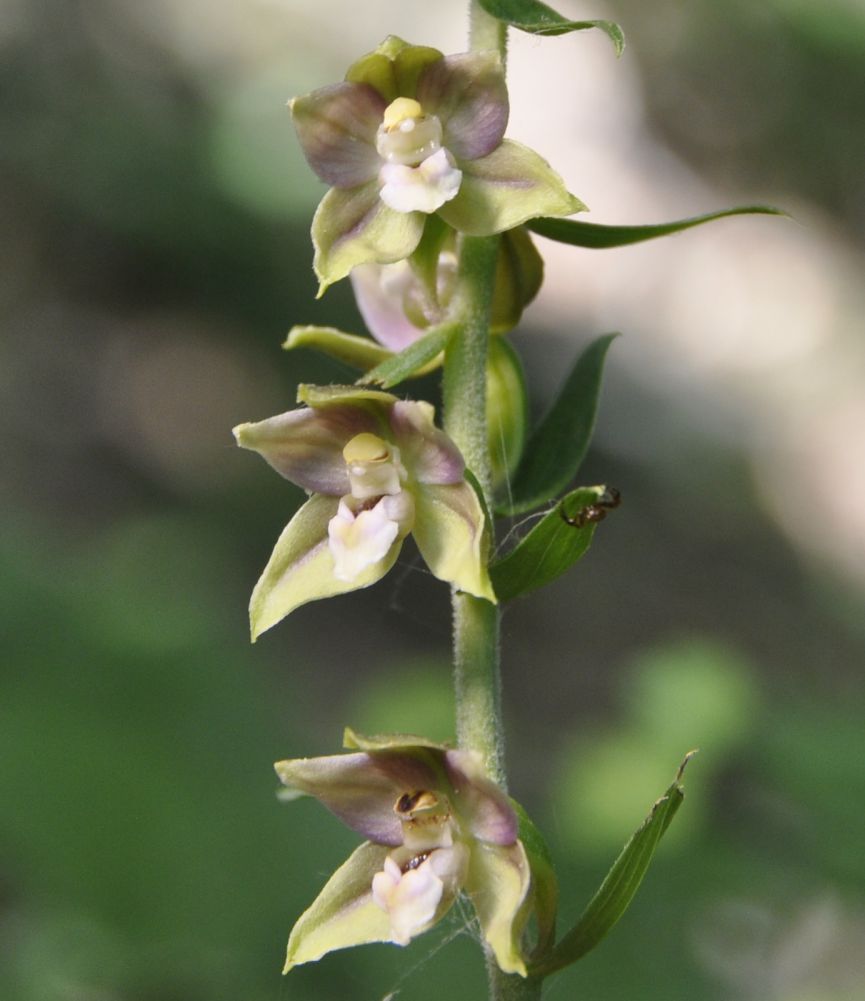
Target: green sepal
545,884
507,409
452,534
301,569
353,226
504,189
325,396
360,352
344,913
419,357
619,886
393,69
551,548
558,445
598,237
354,741
539,19
498,885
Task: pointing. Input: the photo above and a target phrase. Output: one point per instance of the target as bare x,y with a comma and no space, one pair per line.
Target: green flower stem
476,622
465,378
512,987
486,31
476,681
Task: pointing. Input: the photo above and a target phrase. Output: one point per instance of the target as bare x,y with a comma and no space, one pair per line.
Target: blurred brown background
155,211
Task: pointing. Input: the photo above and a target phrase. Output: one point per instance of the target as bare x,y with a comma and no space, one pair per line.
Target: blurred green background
155,211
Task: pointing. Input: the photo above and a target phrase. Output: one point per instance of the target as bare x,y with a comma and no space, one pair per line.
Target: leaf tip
684,763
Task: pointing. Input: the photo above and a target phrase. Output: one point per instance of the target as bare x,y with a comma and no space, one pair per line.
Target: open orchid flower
408,133
377,469
436,826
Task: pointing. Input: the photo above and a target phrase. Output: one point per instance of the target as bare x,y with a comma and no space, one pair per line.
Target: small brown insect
595,512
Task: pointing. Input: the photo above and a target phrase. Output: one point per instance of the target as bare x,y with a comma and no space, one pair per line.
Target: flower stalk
476,637
486,31
428,214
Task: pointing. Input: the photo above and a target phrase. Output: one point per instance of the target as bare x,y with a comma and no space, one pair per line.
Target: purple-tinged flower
436,826
377,468
408,133
398,306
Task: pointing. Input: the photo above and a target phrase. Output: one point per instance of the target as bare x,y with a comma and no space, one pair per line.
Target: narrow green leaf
360,352
620,884
411,360
558,445
554,545
597,237
539,19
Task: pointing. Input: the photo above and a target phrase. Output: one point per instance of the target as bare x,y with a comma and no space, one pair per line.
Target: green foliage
558,445
411,360
552,547
620,884
539,19
598,237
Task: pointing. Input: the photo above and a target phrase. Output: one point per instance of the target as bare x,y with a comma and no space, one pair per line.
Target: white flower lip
424,188
358,541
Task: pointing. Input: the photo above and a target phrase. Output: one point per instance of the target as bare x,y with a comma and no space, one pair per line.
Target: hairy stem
465,372
476,622
486,31
511,986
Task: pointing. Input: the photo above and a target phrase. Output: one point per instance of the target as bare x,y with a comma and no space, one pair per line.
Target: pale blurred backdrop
155,210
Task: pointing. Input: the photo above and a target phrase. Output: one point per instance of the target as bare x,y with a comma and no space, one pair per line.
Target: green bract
409,133
377,469
436,826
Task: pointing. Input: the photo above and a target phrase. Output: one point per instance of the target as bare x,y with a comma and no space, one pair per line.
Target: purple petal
429,455
381,304
305,445
336,126
479,801
362,789
470,97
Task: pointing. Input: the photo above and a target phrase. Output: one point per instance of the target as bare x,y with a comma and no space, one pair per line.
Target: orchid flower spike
436,826
377,469
411,132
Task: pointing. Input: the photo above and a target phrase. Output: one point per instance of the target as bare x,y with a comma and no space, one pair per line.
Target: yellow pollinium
365,448
400,110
